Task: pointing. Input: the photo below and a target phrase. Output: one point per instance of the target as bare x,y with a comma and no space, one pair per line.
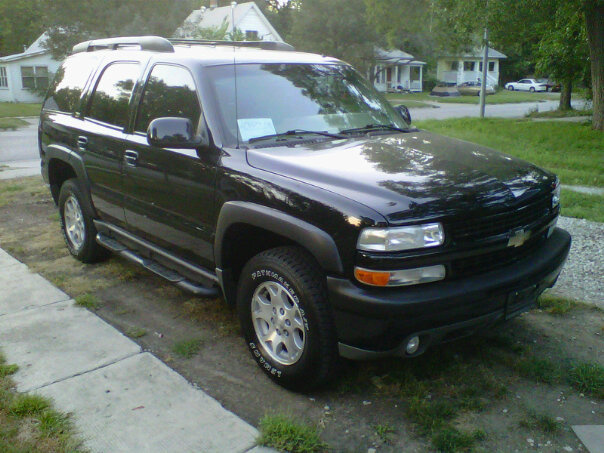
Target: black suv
286,183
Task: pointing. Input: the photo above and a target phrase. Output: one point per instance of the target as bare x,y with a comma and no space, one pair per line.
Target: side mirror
404,112
173,133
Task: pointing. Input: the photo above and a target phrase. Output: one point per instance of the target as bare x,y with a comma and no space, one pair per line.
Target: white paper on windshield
255,127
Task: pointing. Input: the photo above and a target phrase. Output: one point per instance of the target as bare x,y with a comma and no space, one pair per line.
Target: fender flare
316,241
75,161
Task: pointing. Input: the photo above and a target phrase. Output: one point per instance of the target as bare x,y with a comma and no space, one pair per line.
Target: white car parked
531,85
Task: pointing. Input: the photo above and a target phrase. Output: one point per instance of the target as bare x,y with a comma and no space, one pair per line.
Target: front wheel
286,320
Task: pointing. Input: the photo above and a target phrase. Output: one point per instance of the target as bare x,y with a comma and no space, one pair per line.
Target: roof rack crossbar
266,45
152,43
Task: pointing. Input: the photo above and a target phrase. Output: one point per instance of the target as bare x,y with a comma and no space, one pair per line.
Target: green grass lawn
574,151
561,113
582,205
8,109
11,123
502,97
28,423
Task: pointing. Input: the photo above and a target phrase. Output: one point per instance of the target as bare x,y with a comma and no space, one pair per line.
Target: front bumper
378,321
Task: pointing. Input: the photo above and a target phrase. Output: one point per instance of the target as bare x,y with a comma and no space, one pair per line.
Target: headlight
401,238
556,194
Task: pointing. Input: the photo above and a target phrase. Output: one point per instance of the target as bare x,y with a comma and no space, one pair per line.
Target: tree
71,22
593,10
337,28
563,51
20,25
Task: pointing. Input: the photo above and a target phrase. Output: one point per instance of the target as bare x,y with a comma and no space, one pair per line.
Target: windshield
277,98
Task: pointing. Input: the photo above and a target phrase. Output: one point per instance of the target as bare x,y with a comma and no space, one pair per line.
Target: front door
169,193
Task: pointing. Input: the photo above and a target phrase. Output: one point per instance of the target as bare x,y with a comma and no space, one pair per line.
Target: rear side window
170,91
111,96
69,82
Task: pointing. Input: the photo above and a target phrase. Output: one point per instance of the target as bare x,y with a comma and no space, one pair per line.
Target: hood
416,175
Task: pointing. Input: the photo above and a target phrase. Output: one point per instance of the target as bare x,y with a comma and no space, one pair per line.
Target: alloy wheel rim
278,323
74,222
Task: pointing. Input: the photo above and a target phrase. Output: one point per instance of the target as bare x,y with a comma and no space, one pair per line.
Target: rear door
169,193
101,140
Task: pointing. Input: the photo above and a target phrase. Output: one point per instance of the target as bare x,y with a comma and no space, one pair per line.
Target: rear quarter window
69,82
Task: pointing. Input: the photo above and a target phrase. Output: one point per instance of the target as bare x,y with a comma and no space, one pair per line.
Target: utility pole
485,63
233,6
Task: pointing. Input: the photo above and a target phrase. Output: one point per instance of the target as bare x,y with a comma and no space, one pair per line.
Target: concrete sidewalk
122,399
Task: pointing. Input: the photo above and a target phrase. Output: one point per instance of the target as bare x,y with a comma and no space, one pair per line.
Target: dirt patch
507,390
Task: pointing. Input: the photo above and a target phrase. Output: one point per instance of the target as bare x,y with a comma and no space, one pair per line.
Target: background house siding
15,91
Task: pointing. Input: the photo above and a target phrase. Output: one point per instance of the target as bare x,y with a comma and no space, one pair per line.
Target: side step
155,267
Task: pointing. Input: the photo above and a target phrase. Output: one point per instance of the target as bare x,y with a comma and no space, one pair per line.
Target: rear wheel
510,88
286,320
78,229
532,89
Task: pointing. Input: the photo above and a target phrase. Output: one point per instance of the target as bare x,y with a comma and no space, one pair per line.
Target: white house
19,73
396,71
246,17
467,67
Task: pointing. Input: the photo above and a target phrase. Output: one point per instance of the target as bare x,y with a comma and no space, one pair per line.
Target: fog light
412,345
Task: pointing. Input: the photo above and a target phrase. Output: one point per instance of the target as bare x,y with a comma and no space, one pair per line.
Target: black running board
150,264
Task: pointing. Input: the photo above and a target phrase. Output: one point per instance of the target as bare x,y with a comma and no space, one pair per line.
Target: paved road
21,144
446,111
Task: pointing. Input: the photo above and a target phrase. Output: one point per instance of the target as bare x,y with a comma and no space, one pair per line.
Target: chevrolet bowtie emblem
518,237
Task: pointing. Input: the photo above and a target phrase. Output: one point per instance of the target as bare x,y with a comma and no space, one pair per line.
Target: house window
251,35
3,77
34,77
491,66
454,65
469,65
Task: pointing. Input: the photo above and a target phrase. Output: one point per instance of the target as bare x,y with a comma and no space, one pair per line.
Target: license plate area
520,301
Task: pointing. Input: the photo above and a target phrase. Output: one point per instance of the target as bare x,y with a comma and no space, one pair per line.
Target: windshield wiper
373,127
294,132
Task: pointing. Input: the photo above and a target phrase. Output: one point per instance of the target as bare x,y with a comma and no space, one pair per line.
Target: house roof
214,17
395,56
37,48
476,53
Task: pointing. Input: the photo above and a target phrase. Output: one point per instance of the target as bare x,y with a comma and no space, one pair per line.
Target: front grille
468,229
479,264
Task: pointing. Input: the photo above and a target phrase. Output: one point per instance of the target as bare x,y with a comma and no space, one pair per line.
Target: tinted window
170,91
68,84
112,94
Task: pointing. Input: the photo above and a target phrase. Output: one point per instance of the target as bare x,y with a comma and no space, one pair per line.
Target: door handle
131,158
82,143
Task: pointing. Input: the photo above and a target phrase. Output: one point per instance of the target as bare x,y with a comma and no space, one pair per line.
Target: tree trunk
567,89
594,18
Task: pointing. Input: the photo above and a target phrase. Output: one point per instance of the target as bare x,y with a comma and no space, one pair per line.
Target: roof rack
153,43
265,45
158,44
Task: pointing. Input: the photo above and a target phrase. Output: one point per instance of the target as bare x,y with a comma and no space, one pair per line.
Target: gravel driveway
582,278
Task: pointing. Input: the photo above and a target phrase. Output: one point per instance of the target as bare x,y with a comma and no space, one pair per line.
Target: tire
510,88
75,215
282,294
532,89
